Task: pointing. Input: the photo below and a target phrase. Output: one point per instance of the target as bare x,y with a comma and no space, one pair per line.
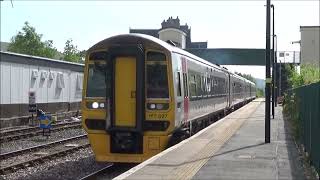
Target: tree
71,53
29,42
247,76
83,55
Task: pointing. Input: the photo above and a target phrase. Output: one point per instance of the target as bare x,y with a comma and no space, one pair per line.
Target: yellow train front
127,106
142,95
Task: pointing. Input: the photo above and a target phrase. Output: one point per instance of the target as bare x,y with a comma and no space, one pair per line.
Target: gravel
42,152
61,168
38,140
73,166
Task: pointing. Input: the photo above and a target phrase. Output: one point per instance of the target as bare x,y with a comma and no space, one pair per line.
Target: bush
308,74
291,111
260,92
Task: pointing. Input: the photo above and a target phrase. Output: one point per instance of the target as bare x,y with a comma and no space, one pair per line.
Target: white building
309,44
57,85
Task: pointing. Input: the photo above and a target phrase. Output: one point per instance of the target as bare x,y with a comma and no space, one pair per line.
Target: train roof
163,44
160,43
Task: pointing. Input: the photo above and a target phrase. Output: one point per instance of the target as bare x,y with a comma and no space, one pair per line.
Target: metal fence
307,106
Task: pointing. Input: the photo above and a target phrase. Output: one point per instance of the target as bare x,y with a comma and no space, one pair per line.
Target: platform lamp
275,37
273,64
268,78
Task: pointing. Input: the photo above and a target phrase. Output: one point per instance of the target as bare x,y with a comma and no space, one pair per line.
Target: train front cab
127,118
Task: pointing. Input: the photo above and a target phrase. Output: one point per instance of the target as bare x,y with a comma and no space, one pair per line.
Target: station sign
32,102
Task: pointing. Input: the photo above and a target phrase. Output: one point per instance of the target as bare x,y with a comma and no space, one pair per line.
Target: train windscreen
156,75
98,85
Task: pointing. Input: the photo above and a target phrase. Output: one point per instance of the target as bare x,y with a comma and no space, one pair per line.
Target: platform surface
232,148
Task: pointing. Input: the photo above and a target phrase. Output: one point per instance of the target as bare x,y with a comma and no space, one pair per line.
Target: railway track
42,157
39,147
34,131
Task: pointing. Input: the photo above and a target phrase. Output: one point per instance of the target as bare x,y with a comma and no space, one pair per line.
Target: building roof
198,45
309,27
4,46
36,60
151,32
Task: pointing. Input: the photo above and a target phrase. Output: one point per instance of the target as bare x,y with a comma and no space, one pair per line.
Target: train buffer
232,148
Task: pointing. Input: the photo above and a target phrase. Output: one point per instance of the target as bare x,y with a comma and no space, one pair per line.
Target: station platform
232,148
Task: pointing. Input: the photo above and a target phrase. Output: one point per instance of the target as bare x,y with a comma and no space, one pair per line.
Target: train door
127,106
232,95
228,90
185,90
125,91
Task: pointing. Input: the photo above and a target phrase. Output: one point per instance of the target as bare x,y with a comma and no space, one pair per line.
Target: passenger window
208,85
199,85
192,85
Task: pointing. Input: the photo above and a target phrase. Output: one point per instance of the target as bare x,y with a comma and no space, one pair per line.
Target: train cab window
100,55
155,56
99,80
156,75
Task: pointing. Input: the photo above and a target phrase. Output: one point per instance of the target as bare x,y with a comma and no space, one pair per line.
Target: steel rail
42,146
28,129
37,132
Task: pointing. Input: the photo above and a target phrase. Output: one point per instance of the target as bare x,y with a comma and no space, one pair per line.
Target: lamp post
273,64
268,79
280,79
276,83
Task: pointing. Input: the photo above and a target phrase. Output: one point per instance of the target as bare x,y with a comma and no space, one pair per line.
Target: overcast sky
229,24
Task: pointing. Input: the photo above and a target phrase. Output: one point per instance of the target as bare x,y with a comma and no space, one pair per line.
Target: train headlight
152,106
95,105
101,105
159,106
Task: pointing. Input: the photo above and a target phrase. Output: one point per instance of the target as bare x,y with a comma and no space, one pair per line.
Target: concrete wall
310,37
175,35
57,84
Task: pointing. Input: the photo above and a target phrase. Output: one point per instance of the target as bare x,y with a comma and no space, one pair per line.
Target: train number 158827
157,116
